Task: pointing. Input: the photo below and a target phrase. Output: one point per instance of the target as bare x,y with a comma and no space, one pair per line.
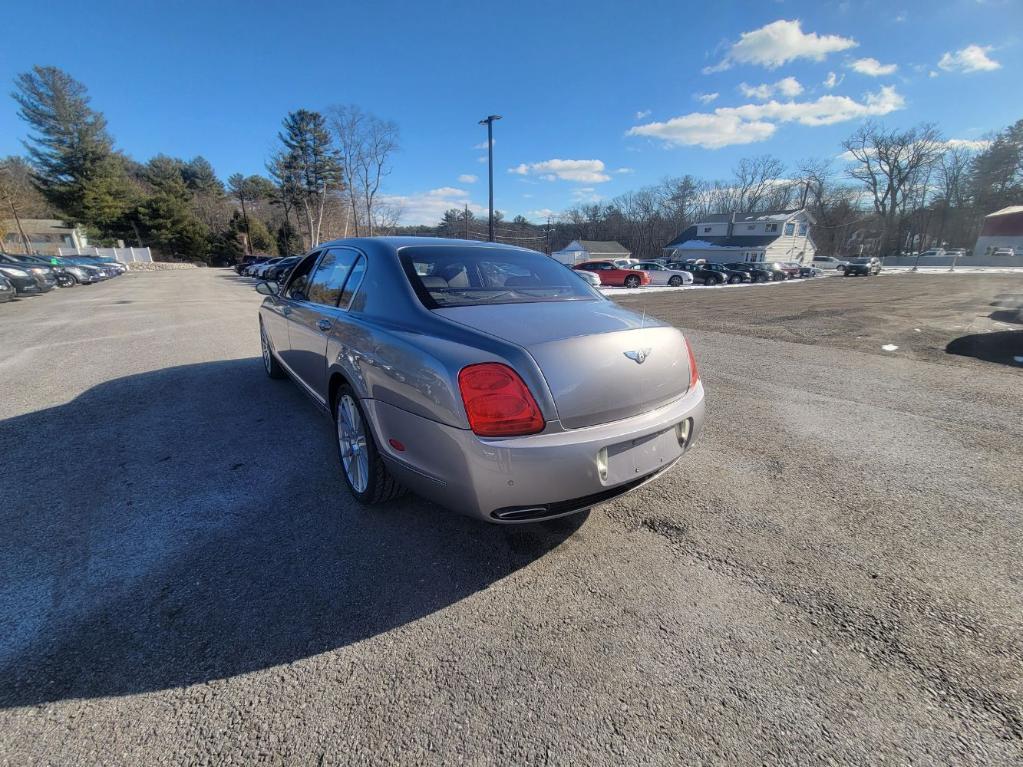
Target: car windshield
474,275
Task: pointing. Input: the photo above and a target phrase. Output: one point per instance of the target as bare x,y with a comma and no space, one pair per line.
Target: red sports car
610,274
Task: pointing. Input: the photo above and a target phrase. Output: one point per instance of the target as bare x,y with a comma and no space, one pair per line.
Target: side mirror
267,288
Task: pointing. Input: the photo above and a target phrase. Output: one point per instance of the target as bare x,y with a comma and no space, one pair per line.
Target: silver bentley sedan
485,377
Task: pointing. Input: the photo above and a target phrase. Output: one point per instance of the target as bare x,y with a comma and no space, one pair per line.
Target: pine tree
74,163
311,164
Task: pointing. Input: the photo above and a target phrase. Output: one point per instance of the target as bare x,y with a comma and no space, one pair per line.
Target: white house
578,251
1002,229
774,235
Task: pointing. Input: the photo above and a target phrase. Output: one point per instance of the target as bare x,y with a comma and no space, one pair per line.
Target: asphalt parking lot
833,575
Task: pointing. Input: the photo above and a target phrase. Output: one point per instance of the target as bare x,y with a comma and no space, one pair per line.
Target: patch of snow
889,347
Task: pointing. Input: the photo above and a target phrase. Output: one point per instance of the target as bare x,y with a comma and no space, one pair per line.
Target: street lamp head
489,119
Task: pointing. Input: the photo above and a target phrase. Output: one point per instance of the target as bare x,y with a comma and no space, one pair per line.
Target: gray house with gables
773,235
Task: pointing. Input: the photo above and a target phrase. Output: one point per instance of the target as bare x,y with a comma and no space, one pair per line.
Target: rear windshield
469,276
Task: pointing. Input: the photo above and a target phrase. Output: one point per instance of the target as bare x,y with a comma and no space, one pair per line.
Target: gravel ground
833,574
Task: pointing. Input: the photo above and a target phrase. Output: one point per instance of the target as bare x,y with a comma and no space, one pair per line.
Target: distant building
1001,229
774,235
45,235
578,251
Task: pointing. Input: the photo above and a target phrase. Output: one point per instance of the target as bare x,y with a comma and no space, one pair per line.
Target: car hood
581,348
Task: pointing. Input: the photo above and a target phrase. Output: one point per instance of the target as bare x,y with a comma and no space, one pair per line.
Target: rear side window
472,275
355,275
329,278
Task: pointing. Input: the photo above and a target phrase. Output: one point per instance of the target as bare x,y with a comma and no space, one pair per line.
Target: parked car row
630,273
32,275
267,268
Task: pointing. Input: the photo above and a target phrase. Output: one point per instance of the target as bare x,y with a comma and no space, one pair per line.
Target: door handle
324,325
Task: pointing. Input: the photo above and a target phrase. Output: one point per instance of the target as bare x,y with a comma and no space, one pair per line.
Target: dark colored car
7,291
279,272
612,274
712,274
863,267
246,261
43,275
757,272
22,279
64,278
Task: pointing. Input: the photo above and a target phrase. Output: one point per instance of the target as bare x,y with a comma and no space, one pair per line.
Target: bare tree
365,144
754,179
893,166
15,187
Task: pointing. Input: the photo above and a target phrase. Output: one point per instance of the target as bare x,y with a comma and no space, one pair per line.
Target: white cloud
583,171
468,178
873,67
972,58
705,98
447,191
481,159
787,86
643,114
965,143
586,194
483,144
779,42
542,215
832,80
711,131
750,123
952,143
623,171
429,207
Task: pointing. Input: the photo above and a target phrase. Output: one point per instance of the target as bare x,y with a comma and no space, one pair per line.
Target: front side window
771,228
299,282
325,285
473,275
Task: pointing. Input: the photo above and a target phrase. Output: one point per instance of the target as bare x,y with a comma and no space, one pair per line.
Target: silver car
487,378
663,275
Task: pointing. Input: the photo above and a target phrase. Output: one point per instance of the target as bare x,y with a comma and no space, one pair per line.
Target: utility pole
466,220
548,235
489,122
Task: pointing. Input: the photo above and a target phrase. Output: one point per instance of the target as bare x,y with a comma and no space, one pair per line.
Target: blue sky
598,97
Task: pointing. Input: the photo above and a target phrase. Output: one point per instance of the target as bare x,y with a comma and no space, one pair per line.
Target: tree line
322,181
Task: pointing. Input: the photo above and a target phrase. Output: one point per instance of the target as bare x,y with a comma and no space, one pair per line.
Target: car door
275,318
313,319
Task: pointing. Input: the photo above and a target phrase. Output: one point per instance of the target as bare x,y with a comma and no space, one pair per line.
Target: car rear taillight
497,402
694,373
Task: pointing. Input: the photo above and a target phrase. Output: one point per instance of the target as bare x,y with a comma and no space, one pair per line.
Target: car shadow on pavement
1004,347
190,524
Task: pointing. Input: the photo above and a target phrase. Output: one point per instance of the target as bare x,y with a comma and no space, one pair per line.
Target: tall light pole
489,122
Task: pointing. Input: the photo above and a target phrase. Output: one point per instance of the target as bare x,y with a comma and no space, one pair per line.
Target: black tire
270,364
632,281
733,280
675,281
380,485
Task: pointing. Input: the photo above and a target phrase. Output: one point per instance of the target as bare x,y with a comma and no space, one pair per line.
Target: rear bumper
541,476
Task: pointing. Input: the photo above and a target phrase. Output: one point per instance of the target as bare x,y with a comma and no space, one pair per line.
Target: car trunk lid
602,363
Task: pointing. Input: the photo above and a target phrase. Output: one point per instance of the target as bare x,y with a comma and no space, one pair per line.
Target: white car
591,277
1003,252
625,263
828,262
662,275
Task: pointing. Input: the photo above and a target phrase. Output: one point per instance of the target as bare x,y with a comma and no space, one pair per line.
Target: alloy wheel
351,435
265,348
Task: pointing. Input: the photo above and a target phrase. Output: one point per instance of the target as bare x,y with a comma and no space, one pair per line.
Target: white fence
124,255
